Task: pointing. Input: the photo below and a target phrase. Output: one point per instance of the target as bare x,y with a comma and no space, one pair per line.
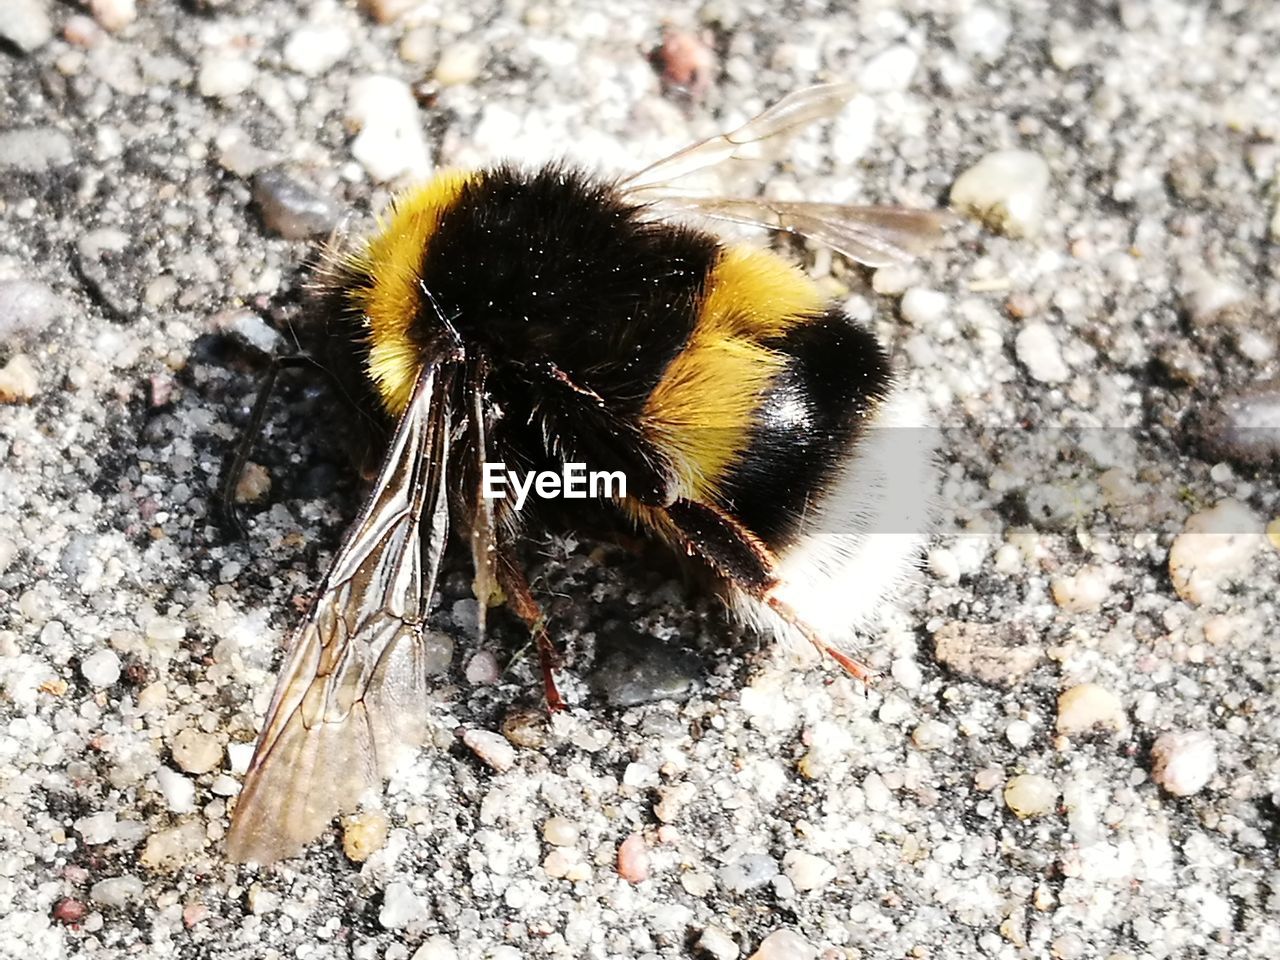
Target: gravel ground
1074,751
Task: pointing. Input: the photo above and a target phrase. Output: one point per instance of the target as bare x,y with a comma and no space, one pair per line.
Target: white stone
1215,545
436,948
806,871
944,565
1019,733
102,668
492,748
26,24
225,76
179,792
718,944
923,308
1030,795
785,944
1089,705
982,32
390,143
459,63
1007,189
1082,592
114,15
97,828
1037,348
400,907
891,69
1184,763
116,891
311,50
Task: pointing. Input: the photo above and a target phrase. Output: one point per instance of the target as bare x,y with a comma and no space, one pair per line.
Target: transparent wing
484,535
351,693
792,111
875,236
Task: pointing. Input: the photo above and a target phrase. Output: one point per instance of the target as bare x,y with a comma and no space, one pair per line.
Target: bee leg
522,601
859,671
233,468
735,554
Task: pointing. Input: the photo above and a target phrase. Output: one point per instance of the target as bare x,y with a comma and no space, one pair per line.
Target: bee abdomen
833,374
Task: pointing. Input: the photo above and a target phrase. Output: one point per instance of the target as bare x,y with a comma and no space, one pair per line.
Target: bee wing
484,533
352,689
875,236
794,110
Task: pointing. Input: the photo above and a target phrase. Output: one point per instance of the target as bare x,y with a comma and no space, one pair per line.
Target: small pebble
1089,705
18,380
114,15
748,872
69,911
1030,795
34,150
460,63
400,906
686,64
167,850
102,668
385,11
1210,299
364,834
262,900
117,891
1215,546
1019,733
560,832
1082,592
390,143
982,32
785,944
716,943
195,751
292,209
944,565
1183,763
27,309
435,948
924,308
526,728
254,484
1006,189
179,792
890,70
633,859
1037,348
641,670
891,280
224,76
806,871
417,46
932,735
311,50
97,828
1242,427
492,748
26,24
248,328
483,668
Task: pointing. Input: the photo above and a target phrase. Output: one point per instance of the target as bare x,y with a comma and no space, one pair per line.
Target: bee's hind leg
735,554
233,467
527,608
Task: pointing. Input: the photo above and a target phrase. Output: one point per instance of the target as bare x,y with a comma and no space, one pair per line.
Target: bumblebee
546,317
